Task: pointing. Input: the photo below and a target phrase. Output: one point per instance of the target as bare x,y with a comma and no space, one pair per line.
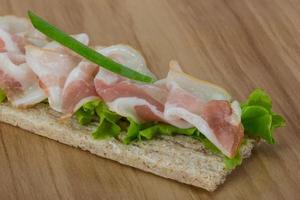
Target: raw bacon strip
122,95
206,107
22,30
53,64
52,68
2,45
117,91
20,83
127,56
7,42
79,87
137,101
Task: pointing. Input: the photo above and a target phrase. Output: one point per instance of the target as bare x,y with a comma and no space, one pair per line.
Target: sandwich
106,100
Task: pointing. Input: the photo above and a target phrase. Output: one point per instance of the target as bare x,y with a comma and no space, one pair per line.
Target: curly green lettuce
258,119
107,120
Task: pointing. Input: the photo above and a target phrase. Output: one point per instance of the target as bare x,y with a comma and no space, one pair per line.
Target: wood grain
239,44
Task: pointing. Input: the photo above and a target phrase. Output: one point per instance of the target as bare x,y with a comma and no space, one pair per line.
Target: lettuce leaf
132,132
87,112
108,126
107,120
147,131
231,163
258,118
106,129
164,129
2,95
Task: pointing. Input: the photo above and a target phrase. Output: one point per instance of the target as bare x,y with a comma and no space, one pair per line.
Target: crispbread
180,158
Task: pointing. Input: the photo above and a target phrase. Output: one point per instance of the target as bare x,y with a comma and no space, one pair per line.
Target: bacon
218,115
127,56
2,46
79,87
52,68
121,95
8,43
53,64
19,83
127,98
139,102
22,31
16,32
207,108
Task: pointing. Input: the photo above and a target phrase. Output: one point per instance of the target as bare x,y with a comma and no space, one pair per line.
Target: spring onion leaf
83,50
2,95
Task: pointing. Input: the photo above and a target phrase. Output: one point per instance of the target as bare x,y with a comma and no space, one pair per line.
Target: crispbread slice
180,158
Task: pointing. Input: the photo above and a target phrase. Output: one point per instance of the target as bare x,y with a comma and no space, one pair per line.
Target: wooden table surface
239,44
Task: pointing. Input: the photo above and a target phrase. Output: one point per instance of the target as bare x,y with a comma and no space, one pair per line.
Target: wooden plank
238,44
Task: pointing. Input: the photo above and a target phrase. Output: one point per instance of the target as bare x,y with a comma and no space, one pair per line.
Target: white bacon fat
20,83
79,87
52,68
52,64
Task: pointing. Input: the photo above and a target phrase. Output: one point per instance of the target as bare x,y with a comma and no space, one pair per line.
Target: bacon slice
2,45
53,64
22,30
79,87
20,83
130,99
128,56
122,95
52,68
207,108
7,42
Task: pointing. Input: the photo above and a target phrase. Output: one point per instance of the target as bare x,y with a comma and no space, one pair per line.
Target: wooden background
238,44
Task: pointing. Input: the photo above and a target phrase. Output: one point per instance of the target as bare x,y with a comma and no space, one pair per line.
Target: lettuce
107,120
258,119
147,131
231,163
132,131
2,95
164,129
108,126
87,112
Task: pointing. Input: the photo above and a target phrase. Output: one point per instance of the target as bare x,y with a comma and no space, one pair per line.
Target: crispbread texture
180,158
